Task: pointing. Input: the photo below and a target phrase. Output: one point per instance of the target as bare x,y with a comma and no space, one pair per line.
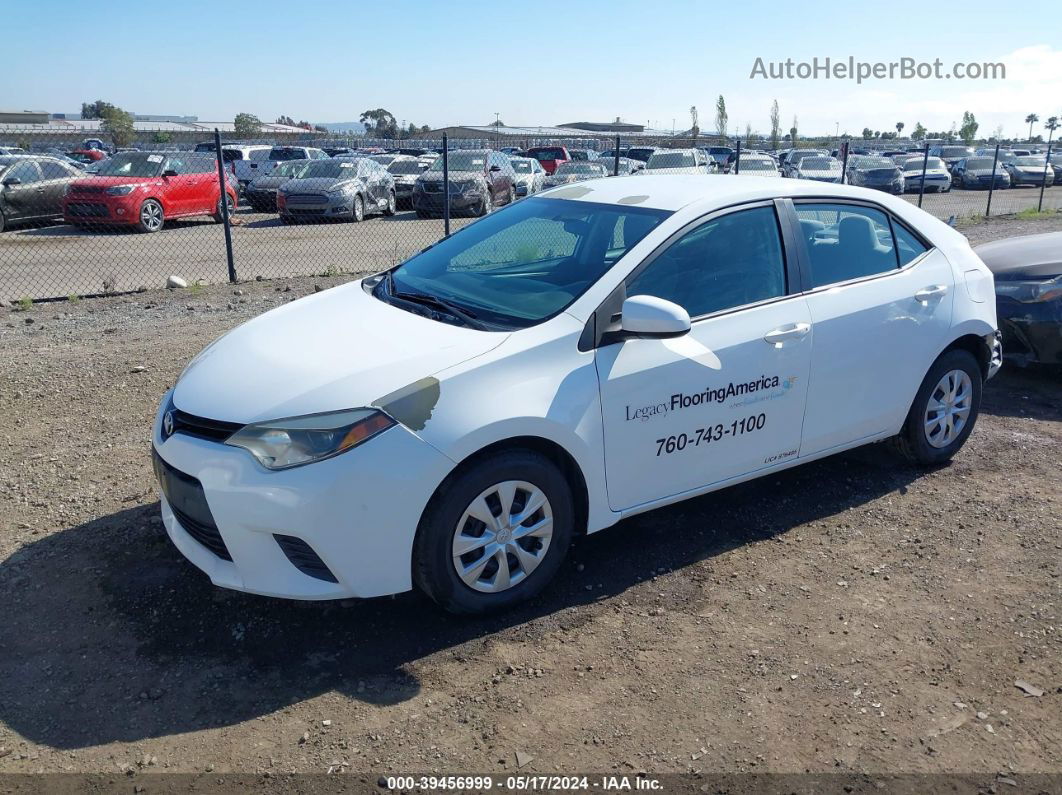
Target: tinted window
845,242
547,154
26,172
730,261
54,170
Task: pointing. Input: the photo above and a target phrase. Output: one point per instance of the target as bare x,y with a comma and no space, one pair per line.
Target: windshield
671,160
405,167
955,151
462,161
286,153
550,153
572,167
578,154
915,164
330,169
720,150
292,168
979,162
818,163
131,164
517,267
522,167
748,164
1029,161
874,162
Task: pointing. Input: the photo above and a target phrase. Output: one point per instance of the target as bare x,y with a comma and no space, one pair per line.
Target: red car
145,189
549,156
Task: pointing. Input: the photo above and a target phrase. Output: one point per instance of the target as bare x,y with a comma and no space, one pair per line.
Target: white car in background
530,175
678,161
821,168
565,362
755,166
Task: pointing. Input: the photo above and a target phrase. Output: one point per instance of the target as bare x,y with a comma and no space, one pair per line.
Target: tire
485,206
435,568
512,195
357,209
392,204
3,222
151,217
218,217
928,444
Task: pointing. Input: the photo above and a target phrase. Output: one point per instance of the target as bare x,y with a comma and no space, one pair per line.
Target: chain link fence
81,221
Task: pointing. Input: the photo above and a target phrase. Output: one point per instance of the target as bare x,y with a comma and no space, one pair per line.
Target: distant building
529,134
616,126
23,117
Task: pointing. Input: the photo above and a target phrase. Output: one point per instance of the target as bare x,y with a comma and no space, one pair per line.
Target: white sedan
584,355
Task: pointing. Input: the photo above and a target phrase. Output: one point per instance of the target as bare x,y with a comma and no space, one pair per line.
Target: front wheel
357,213
392,204
494,534
151,217
485,206
944,410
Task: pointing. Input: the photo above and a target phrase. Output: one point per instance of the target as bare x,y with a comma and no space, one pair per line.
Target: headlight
1030,292
292,442
342,190
120,190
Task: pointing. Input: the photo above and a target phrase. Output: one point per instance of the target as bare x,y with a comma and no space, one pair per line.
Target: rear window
405,167
955,151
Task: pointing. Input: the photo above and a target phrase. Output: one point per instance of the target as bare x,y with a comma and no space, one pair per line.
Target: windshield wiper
467,316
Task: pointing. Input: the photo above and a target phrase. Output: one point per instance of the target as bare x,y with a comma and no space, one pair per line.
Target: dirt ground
854,614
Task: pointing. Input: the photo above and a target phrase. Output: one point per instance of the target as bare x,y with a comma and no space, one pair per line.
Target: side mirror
495,168
656,318
169,172
10,181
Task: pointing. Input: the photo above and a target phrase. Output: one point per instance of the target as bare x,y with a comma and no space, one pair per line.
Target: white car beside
530,176
678,161
585,355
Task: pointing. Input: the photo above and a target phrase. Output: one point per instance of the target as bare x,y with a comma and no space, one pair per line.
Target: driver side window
727,262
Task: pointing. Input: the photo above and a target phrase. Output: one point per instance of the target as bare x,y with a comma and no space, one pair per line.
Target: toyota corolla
588,354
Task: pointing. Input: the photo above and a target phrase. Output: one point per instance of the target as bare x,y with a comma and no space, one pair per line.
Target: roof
95,125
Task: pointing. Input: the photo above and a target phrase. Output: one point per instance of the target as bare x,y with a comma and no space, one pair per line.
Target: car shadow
110,635
1032,391
60,229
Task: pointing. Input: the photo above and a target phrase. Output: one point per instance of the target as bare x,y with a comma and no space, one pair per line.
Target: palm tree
899,128
1031,119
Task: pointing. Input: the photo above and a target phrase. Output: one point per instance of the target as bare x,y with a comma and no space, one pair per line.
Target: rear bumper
1032,333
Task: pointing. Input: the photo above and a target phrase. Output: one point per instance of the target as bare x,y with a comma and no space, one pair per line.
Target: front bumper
433,202
358,512
322,206
102,209
261,198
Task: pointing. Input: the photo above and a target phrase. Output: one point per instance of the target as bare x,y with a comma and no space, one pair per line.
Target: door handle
926,293
791,332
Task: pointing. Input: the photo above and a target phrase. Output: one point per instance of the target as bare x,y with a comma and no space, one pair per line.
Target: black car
951,154
32,188
879,173
261,192
977,172
1028,278
642,153
480,180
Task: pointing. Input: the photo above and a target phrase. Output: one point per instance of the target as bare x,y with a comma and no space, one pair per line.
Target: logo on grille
167,425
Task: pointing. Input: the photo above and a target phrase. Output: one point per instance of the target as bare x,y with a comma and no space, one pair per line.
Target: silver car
405,170
339,188
530,175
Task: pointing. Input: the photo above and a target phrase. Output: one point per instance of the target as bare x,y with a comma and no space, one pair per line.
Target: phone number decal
713,433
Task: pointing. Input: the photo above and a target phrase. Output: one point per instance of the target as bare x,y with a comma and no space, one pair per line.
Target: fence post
844,164
737,158
615,166
224,200
446,186
922,186
1047,165
992,182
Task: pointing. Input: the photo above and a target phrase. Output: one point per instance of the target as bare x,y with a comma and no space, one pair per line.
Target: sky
544,63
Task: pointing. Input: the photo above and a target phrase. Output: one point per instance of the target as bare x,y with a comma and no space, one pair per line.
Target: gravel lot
60,260
854,614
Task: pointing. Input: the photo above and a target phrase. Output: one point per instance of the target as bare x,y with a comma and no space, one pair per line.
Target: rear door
55,176
726,399
178,190
881,302
24,199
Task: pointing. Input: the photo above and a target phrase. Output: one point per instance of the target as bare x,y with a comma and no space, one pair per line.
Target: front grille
86,210
307,198
303,558
306,210
203,428
87,189
432,187
187,500
881,173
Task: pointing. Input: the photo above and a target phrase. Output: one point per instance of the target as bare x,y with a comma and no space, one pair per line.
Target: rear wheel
218,217
944,410
3,222
151,217
495,534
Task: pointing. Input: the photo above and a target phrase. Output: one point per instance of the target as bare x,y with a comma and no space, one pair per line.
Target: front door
726,399
23,191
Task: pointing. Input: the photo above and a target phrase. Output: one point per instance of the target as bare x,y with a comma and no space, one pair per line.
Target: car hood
454,174
984,172
930,172
269,182
334,350
674,170
106,182
316,184
1028,256
818,173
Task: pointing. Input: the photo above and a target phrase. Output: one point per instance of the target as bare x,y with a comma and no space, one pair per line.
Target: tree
290,122
247,125
997,135
379,123
968,130
695,129
919,132
425,128
721,117
748,134
793,130
1031,119
867,133
899,128
161,138
96,110
776,125
118,125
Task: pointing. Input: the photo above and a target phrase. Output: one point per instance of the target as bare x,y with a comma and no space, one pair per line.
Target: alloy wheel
948,408
502,536
151,215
